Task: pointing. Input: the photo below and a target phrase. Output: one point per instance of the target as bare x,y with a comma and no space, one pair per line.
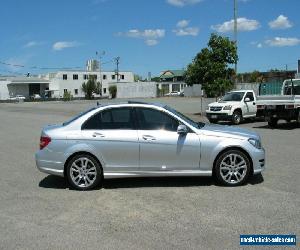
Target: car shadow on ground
281,126
56,182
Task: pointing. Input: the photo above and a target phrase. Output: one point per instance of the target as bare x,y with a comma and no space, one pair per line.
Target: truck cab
234,106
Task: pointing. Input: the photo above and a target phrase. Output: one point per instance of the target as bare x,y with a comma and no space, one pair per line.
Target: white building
56,84
71,81
26,86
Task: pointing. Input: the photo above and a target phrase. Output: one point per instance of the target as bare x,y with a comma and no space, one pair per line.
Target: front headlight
256,143
228,107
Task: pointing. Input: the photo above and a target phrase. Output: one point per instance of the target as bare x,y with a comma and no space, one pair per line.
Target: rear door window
117,118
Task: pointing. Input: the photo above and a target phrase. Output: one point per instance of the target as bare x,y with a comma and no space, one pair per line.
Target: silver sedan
139,139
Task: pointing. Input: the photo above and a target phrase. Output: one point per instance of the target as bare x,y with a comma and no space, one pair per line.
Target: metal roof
28,80
174,73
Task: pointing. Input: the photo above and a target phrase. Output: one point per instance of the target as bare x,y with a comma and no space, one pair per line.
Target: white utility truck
234,106
285,106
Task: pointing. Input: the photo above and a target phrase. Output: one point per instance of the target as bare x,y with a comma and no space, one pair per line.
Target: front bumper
258,160
218,116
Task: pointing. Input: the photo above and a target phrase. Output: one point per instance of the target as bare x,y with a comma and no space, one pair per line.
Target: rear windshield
78,116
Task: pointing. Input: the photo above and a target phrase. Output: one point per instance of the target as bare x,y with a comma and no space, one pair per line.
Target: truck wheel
213,120
237,117
273,122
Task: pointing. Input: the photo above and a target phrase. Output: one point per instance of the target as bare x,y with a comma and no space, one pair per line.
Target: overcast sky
147,35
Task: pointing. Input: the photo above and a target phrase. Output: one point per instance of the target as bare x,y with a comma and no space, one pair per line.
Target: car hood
222,104
228,131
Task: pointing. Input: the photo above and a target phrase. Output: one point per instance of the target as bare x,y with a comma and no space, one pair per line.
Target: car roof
133,103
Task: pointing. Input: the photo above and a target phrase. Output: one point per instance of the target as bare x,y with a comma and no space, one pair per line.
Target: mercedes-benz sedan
140,139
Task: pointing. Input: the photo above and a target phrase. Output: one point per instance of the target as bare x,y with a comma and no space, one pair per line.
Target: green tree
89,87
155,79
210,67
113,91
255,76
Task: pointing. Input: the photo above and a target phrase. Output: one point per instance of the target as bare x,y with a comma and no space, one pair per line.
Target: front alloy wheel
232,168
84,172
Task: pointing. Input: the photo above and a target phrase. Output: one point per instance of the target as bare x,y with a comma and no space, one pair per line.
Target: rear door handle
148,138
97,134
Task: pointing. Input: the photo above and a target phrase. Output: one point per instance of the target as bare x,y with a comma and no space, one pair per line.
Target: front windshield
233,97
78,116
185,118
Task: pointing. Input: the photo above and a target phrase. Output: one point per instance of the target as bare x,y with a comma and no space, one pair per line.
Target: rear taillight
44,141
260,106
291,106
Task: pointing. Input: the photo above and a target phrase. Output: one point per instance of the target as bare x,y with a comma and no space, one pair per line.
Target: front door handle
148,138
97,134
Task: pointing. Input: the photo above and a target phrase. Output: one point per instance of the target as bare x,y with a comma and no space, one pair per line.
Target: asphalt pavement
39,211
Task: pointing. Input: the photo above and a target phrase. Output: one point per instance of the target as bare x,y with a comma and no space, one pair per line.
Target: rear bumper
48,166
218,116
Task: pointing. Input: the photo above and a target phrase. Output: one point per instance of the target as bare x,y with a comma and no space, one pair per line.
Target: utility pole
100,57
235,35
117,61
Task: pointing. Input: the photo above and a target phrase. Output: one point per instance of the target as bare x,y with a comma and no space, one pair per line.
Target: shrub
113,91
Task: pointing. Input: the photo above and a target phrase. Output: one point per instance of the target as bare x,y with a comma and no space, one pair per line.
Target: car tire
84,172
273,122
298,117
237,117
232,168
213,120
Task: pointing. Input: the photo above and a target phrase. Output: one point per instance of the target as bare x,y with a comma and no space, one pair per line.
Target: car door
251,105
161,147
112,132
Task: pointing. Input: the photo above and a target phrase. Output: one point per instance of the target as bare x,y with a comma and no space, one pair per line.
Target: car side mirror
182,130
247,99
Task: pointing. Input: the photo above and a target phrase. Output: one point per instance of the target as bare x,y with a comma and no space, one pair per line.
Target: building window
75,77
65,77
104,77
65,91
85,77
76,91
113,77
92,77
122,77
104,90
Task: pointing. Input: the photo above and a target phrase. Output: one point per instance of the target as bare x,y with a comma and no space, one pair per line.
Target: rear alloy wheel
232,168
273,122
84,172
237,117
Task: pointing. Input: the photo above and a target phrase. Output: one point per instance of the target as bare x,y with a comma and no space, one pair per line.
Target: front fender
212,146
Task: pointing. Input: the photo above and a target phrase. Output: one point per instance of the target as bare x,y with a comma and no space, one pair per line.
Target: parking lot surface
39,211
